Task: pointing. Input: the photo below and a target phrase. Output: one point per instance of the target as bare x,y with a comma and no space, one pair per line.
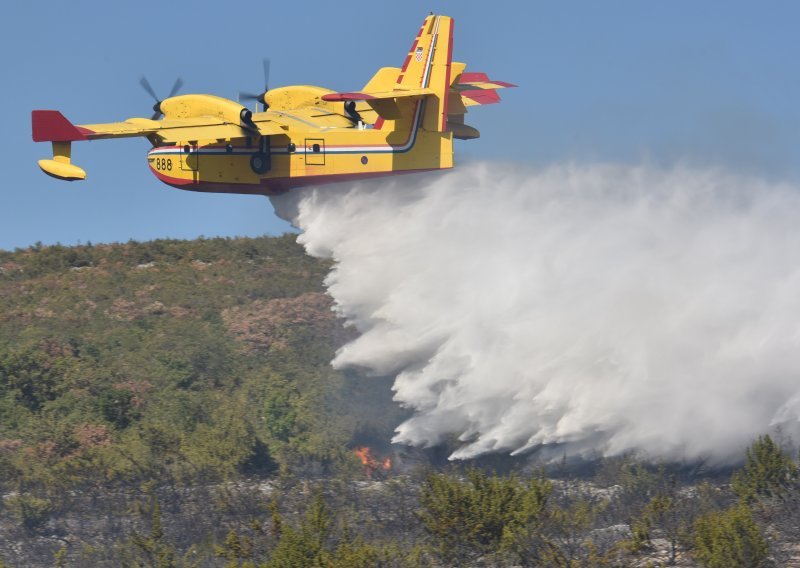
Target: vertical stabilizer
428,65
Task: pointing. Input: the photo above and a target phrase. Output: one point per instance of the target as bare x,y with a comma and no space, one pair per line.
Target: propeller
149,88
352,113
246,96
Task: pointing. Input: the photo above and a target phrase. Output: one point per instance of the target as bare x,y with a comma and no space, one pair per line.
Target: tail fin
429,91
428,66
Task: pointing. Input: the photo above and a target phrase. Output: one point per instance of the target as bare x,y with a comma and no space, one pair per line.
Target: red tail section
477,88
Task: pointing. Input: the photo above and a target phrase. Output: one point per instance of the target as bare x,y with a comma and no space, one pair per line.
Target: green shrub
729,539
767,472
468,518
30,511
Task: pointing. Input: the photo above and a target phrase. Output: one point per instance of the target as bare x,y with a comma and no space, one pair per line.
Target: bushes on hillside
768,471
729,539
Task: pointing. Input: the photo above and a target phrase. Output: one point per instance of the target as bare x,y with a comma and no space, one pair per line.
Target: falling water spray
594,309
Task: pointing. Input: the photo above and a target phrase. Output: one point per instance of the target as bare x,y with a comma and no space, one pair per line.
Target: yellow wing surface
188,117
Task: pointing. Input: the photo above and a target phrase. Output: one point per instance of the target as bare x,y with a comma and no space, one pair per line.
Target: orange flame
370,462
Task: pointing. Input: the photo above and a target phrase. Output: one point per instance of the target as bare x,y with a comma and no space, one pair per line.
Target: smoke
585,308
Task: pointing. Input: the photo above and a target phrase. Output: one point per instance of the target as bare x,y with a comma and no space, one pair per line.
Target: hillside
181,360
171,403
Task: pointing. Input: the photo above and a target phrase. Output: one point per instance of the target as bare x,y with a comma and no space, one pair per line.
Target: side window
315,151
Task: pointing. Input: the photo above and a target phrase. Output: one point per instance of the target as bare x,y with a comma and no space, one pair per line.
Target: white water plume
596,308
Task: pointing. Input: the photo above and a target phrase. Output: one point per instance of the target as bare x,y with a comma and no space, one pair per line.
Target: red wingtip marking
504,84
484,97
474,78
51,125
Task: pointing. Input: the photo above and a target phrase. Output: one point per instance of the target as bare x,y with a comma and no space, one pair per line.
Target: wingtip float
403,120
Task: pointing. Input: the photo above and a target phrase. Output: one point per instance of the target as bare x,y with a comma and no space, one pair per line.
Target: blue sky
704,83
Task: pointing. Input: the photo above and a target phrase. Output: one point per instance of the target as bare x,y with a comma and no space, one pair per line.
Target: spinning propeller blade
247,96
176,87
149,88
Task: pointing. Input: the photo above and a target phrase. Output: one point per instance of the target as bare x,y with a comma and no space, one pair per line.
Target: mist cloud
593,308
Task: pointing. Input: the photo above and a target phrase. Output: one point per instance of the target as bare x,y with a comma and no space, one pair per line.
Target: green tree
729,539
30,511
238,551
669,512
304,547
33,376
768,471
468,518
154,549
115,405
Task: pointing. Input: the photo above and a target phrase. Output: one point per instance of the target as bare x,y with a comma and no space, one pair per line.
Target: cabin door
190,157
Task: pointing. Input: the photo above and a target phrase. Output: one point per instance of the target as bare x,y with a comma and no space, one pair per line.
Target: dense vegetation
172,404
169,360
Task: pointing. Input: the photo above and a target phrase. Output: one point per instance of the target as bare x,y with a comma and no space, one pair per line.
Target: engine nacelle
188,106
288,98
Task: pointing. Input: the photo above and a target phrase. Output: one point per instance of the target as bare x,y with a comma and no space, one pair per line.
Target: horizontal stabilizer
482,81
381,95
389,105
478,89
477,96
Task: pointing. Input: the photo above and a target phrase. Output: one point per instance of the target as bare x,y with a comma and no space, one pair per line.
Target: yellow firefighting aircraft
403,120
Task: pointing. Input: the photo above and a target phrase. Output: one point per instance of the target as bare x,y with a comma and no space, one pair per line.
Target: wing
52,126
